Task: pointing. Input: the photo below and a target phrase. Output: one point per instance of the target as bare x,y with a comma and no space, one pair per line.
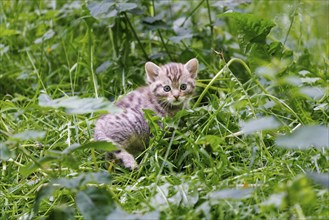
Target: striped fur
129,129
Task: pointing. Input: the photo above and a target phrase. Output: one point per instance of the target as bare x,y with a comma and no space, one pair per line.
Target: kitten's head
173,84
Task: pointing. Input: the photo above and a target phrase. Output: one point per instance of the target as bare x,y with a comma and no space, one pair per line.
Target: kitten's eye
183,86
166,88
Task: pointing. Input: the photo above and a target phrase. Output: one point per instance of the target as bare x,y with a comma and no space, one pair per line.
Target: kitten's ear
192,66
152,71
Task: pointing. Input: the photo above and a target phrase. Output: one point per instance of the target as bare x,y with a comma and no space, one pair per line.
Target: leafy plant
253,144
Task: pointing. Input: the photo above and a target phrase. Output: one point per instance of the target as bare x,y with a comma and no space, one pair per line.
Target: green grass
253,145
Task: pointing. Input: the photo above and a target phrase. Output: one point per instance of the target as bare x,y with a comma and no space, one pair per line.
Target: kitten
169,89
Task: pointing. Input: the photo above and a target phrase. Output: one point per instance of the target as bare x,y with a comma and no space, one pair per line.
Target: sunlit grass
220,159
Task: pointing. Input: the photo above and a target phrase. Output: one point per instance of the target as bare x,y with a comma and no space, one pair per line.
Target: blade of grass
135,35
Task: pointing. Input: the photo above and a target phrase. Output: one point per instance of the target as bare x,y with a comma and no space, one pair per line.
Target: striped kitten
169,90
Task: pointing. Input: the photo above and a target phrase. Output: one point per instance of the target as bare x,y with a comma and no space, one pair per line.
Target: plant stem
217,76
36,71
210,23
165,157
92,64
290,26
93,156
274,99
192,12
135,34
164,45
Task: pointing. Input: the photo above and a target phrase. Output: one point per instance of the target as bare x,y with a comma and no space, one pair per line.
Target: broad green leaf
58,213
310,80
3,49
152,20
122,7
98,145
69,183
109,9
43,192
319,178
230,194
49,34
258,54
7,32
34,165
104,11
271,69
313,92
118,213
177,39
155,23
213,140
306,137
101,9
205,208
95,203
76,105
29,134
184,195
260,124
5,153
74,184
161,197
293,80
83,179
323,107
304,72
276,199
175,194
103,67
300,191
276,49
100,177
249,28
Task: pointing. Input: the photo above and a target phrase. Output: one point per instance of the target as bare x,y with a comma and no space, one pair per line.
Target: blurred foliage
254,144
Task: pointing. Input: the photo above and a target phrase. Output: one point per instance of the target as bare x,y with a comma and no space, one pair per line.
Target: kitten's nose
176,97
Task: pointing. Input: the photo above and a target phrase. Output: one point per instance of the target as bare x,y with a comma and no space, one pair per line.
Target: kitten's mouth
176,102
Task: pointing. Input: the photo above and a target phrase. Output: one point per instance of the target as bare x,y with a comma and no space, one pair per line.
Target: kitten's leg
127,159
122,155
120,131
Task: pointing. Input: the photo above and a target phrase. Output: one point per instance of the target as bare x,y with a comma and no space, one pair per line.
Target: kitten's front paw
127,159
131,165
